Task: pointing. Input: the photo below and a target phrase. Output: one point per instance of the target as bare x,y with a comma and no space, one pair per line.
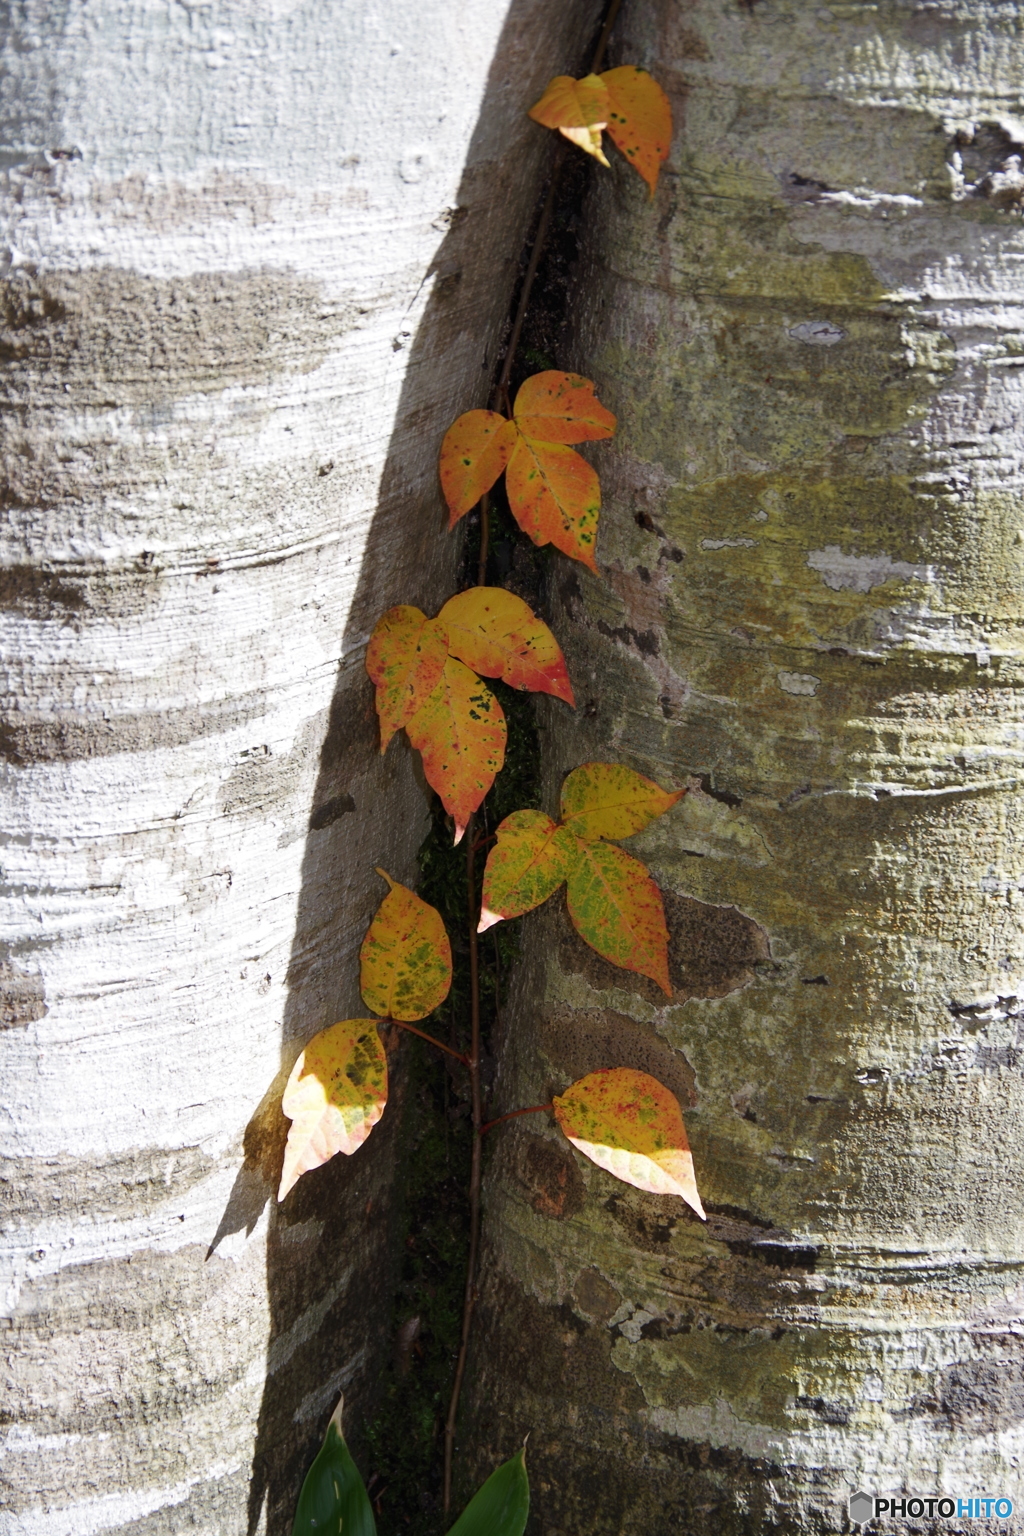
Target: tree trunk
255,260
810,612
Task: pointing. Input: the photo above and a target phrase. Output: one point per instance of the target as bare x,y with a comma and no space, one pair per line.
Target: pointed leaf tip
460,735
488,920
502,1505
333,1497
632,1126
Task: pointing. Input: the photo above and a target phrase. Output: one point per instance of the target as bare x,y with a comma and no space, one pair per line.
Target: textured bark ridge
253,258
813,555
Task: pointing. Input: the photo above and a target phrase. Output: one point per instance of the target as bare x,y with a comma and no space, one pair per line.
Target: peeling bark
810,606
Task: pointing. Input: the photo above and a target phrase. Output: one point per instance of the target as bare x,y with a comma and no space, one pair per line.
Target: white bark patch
860,573
817,333
799,683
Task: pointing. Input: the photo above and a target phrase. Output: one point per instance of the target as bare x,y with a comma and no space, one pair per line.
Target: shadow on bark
330,1248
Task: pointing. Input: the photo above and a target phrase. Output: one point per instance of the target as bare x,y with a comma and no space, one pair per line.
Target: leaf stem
469,1300
602,42
429,1038
531,1109
485,527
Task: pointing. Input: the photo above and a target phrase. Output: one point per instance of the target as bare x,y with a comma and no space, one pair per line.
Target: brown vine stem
469,1301
531,1109
430,1038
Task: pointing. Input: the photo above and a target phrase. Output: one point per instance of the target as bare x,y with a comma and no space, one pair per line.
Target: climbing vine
429,674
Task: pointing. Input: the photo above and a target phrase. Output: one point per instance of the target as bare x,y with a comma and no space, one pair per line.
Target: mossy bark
810,610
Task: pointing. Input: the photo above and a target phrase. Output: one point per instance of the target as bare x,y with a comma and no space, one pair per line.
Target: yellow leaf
609,800
639,119
405,962
527,864
475,450
632,1126
557,407
497,634
334,1097
405,659
615,905
460,735
555,497
578,109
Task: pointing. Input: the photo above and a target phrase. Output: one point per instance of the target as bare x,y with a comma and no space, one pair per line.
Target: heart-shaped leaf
530,860
555,497
405,659
501,1506
334,1097
632,1126
610,800
616,906
475,450
639,119
557,407
334,1501
460,735
576,108
405,962
496,634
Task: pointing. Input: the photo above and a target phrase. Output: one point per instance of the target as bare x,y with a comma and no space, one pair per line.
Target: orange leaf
475,450
555,497
558,407
460,734
405,658
639,119
631,1125
526,865
334,1097
609,800
405,962
496,634
616,906
578,109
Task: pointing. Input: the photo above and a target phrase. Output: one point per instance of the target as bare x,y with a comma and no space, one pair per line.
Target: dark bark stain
550,1177
22,996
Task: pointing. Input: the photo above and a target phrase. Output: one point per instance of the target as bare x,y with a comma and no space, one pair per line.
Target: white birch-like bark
811,552
255,258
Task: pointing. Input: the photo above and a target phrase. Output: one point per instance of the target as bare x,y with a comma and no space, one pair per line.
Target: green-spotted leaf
405,962
616,906
632,1126
501,1506
334,1097
529,861
460,735
405,659
610,800
333,1501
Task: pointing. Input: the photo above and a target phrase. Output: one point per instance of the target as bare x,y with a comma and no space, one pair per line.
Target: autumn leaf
405,659
610,800
578,109
460,735
627,101
405,962
632,1126
555,497
333,1497
639,119
616,906
530,860
501,1506
497,634
475,450
558,407
334,1097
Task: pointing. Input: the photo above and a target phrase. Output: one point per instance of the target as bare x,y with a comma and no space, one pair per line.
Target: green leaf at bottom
333,1500
501,1506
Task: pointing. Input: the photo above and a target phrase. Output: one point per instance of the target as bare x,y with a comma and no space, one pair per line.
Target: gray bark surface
255,258
809,612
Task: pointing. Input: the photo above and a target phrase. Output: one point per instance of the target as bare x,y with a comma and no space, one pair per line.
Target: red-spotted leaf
639,119
557,407
496,634
555,497
632,1126
405,962
578,109
610,800
529,861
475,450
335,1095
460,734
405,659
616,906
